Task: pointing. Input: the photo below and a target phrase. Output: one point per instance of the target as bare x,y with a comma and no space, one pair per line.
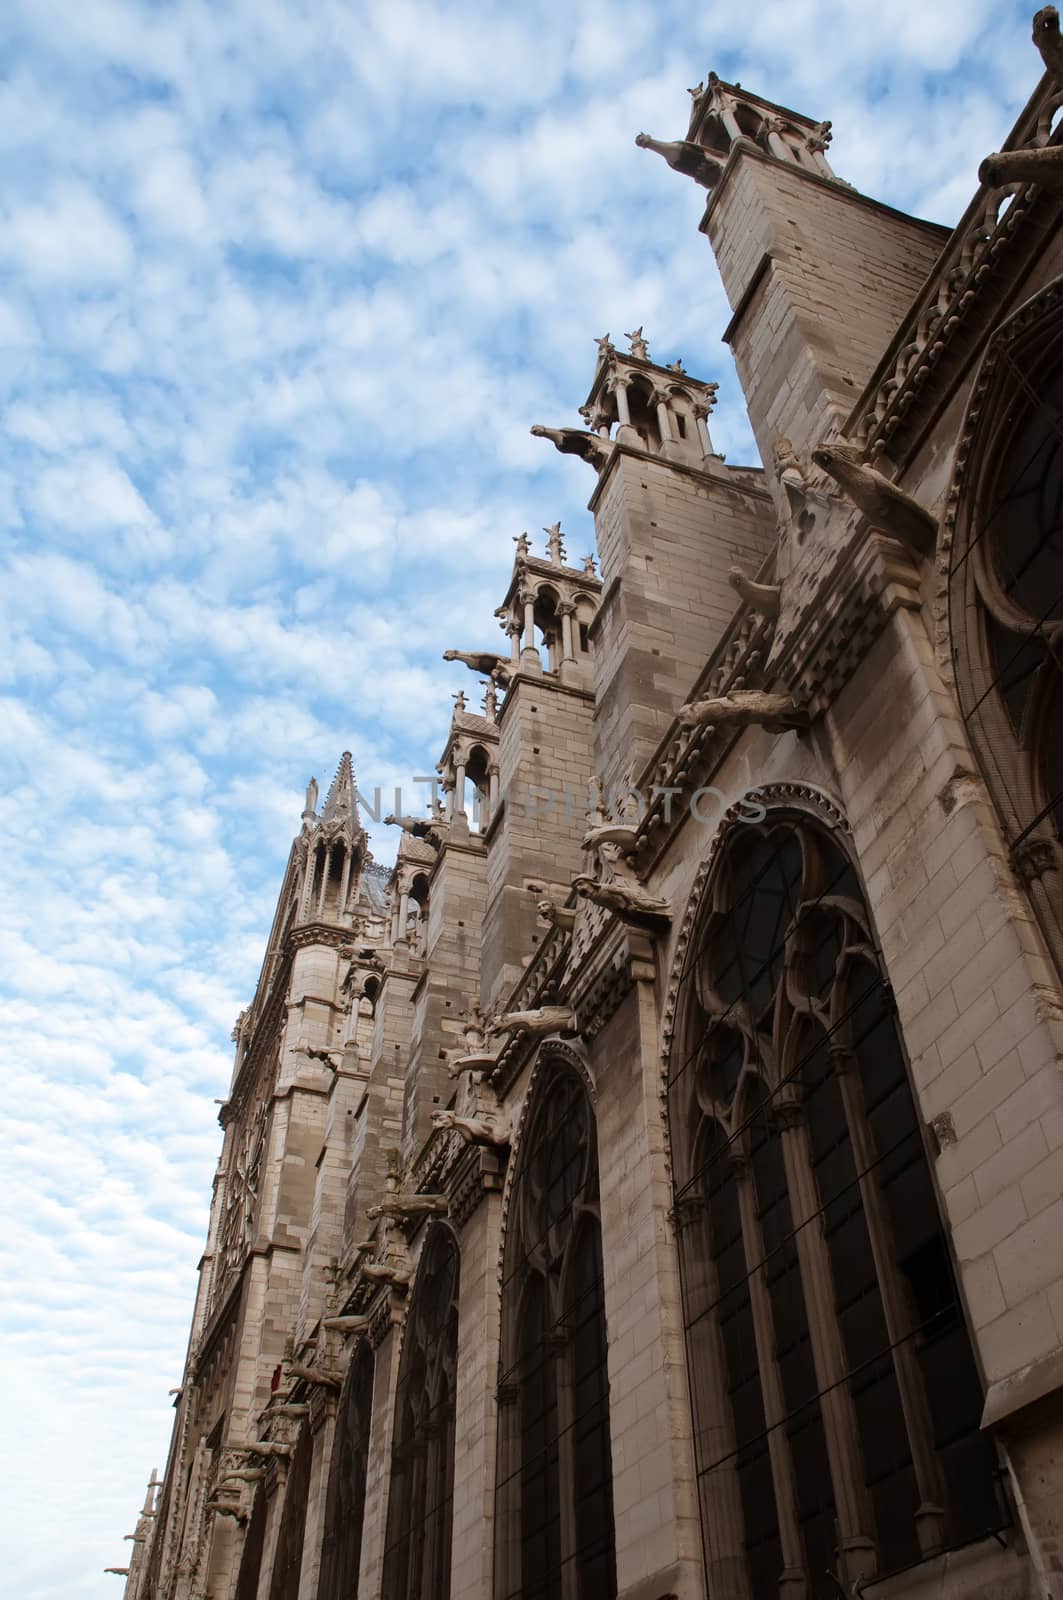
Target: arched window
836,1401
554,1504
288,1561
251,1555
417,1545
1006,593
341,1549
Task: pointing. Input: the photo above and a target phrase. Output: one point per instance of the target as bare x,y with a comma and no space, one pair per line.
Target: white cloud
285,287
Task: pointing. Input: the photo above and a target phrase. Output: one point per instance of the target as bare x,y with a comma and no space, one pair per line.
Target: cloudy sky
283,284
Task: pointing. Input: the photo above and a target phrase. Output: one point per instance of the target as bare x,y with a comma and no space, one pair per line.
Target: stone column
459,790
664,419
623,414
701,417
566,611
529,655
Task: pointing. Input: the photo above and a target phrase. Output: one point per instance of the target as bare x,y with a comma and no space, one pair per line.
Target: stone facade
651,1186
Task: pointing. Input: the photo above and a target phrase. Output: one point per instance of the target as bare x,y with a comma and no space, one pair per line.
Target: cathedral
650,1188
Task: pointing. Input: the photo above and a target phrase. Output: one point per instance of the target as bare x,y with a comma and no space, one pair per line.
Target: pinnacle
339,803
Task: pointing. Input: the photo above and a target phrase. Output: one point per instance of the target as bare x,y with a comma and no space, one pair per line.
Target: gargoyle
745,708
266,1447
1042,165
315,1376
763,598
621,834
417,826
224,1508
331,1058
396,1270
475,1055
486,662
590,447
543,1020
881,501
285,1411
561,917
474,1130
1046,37
790,476
245,1475
682,155
630,901
123,1572
404,1206
346,1325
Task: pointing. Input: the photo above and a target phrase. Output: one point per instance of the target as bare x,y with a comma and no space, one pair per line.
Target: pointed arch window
836,1401
554,1510
288,1561
341,1549
420,1499
1006,593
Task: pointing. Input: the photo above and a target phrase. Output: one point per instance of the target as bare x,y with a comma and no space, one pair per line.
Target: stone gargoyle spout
684,156
488,663
628,899
561,917
540,1022
404,1206
745,708
1043,166
580,442
882,501
474,1130
763,598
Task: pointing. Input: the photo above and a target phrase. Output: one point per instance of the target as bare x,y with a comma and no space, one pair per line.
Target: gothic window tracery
345,1500
554,1509
1006,596
418,1539
836,1402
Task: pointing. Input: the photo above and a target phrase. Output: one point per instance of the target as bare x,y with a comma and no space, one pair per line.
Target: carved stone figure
396,1270
626,897
402,1207
682,155
1046,36
560,917
589,567
540,1022
790,476
1042,166
417,826
459,700
622,834
676,366
881,501
819,138
523,544
639,348
317,1377
346,1325
474,1130
744,708
576,442
555,548
761,597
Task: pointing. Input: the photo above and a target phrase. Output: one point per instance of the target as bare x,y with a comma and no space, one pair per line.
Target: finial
606,347
697,92
676,366
639,348
459,700
490,699
555,548
310,804
589,567
523,544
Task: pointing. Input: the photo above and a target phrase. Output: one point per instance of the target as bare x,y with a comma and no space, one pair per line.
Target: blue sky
283,286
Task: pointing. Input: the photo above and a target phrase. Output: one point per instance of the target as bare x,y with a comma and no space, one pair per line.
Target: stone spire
340,801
